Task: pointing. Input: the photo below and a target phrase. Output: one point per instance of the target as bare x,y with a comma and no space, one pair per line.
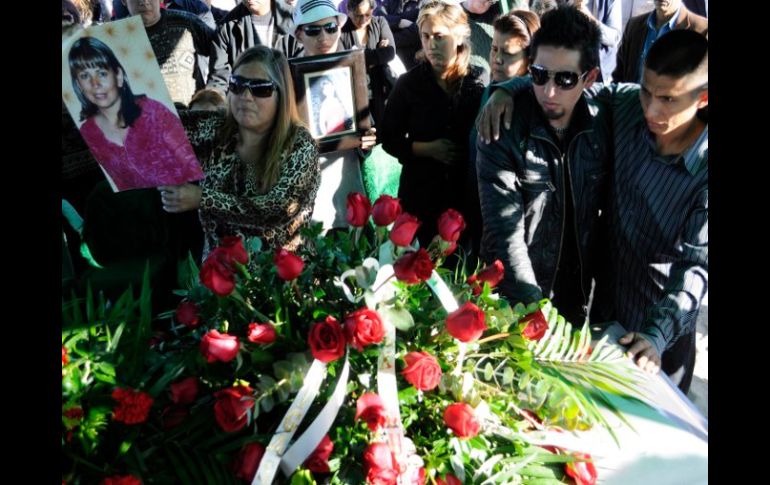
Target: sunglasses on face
259,88
313,30
563,79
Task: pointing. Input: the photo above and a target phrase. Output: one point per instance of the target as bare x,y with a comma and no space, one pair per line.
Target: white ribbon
280,440
307,443
442,292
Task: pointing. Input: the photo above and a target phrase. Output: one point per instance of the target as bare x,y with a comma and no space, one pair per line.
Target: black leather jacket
522,193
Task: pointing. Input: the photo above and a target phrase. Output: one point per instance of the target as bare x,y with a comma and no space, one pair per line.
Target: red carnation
121,480
133,406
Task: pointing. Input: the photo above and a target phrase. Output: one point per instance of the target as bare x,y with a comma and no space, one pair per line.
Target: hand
383,43
369,139
180,198
404,23
443,150
499,104
641,351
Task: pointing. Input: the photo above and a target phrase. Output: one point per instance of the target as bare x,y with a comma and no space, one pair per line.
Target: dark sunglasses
563,79
313,30
259,88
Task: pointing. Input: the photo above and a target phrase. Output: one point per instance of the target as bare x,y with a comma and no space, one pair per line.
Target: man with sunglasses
250,23
658,204
541,183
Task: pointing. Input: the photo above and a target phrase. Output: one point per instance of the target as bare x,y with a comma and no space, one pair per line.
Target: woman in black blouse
364,31
429,115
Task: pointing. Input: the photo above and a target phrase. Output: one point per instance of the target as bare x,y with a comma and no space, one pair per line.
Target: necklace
560,132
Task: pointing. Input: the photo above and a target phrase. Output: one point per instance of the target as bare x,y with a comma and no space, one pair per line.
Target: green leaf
400,318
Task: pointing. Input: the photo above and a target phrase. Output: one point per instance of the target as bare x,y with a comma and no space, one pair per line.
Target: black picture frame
332,97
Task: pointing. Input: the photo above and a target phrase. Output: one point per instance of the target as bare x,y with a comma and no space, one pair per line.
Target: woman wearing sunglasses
318,29
261,165
138,141
429,115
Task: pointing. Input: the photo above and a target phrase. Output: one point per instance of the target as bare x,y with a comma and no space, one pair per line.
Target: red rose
233,246
380,464
121,480
404,229
247,461
422,370
413,267
492,274
450,225
370,408
364,327
217,272
449,480
536,326
133,406
173,415
459,417
261,333
584,472
386,209
219,346
450,248
318,461
466,324
326,340
359,208
187,314
287,264
184,391
64,359
232,407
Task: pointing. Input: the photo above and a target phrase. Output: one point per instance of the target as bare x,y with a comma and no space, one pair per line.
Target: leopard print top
231,202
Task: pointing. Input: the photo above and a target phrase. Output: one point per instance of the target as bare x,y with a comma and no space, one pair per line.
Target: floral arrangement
357,359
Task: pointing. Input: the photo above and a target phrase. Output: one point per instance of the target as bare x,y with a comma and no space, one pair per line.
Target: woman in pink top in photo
138,141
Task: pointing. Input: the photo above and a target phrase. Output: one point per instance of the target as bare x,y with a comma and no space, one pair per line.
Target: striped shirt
658,227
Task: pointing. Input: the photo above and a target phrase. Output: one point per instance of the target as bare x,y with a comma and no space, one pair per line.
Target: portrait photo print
331,106
113,89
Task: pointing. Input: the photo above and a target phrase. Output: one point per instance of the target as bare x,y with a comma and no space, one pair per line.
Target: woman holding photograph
262,171
429,115
138,141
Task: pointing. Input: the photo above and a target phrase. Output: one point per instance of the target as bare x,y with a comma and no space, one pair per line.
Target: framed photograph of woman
114,91
332,97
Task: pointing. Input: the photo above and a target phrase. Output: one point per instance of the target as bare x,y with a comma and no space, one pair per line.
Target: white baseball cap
309,11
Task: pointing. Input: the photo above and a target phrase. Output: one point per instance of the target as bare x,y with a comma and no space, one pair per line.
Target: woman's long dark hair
91,53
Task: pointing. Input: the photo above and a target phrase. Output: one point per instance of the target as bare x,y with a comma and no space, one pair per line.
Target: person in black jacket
364,31
429,115
252,22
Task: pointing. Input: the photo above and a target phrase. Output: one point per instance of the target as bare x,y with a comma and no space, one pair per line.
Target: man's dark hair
569,28
678,53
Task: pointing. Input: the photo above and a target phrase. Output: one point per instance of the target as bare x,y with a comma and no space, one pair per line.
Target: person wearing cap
318,24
